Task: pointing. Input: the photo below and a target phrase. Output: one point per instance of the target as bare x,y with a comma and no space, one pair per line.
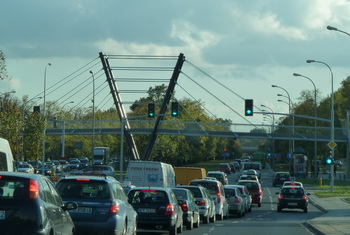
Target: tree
3,71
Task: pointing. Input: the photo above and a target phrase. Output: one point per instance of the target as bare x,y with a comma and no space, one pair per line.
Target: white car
26,167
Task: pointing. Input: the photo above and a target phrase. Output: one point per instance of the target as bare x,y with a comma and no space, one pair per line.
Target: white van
6,158
150,174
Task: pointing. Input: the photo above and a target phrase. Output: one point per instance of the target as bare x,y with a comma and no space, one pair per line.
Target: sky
246,46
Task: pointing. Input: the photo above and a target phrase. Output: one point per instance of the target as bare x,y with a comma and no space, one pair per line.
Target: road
264,219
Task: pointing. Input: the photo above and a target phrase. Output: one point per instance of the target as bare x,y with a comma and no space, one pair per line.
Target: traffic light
248,111
329,160
151,110
174,109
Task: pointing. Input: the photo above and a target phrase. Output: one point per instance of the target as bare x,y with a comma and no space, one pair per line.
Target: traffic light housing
174,109
151,110
248,107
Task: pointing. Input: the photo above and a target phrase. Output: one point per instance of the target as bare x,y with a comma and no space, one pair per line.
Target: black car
103,205
157,208
292,197
279,178
30,204
191,217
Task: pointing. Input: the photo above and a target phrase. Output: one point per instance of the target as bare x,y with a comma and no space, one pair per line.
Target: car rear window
149,196
292,191
13,188
195,191
282,175
230,192
217,176
212,187
93,189
249,185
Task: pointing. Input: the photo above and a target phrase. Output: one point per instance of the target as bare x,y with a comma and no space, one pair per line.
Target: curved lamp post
315,122
335,29
332,143
44,131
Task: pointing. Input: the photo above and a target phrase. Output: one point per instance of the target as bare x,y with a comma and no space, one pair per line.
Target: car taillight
82,179
280,197
184,207
304,197
200,203
219,198
237,200
114,208
33,189
169,209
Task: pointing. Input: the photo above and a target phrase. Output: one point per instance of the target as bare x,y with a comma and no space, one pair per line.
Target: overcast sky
246,45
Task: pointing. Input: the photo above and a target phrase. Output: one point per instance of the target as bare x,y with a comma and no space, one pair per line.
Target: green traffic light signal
248,107
329,161
174,109
151,110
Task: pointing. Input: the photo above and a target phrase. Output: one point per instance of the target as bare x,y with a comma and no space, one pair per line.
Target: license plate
2,215
83,210
292,204
146,210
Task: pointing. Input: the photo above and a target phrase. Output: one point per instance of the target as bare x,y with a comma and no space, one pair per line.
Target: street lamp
335,29
315,122
93,113
44,131
331,144
288,96
272,129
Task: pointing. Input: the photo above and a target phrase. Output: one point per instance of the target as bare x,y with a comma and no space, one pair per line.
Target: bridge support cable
119,106
163,108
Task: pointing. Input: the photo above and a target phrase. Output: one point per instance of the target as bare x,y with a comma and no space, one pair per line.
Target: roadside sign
292,178
290,155
331,144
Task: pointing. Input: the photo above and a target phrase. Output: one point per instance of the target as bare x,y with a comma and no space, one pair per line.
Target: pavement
336,219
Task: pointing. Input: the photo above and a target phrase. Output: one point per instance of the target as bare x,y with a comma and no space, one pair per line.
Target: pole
44,131
121,158
93,114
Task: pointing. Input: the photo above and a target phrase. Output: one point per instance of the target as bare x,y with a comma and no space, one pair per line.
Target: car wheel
239,214
196,225
279,209
180,228
213,218
250,208
125,227
259,204
189,225
221,216
173,230
305,210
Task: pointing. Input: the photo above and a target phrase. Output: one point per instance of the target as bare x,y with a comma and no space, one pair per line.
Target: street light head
274,86
296,74
262,105
310,61
331,28
280,95
49,64
91,72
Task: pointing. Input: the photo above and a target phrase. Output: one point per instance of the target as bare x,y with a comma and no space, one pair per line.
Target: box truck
6,158
100,156
150,174
184,175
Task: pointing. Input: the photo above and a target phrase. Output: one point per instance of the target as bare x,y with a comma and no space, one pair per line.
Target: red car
255,189
225,167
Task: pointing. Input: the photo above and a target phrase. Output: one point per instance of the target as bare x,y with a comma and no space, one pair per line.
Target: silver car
204,202
101,170
26,167
247,197
236,203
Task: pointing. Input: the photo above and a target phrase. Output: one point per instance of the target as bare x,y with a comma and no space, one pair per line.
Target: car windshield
230,192
249,185
13,188
23,166
212,187
83,189
148,196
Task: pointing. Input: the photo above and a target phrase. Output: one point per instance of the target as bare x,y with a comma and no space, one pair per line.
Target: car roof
96,178
248,181
292,186
151,188
22,175
215,172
